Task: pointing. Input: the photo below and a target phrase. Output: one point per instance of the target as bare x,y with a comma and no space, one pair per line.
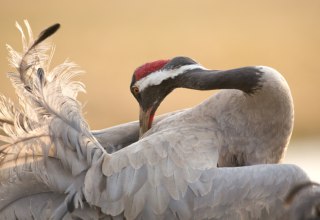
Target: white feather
157,77
49,121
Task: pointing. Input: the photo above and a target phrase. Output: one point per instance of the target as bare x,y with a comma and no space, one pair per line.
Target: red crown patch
148,68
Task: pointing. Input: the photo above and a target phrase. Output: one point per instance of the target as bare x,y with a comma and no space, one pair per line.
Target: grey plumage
52,164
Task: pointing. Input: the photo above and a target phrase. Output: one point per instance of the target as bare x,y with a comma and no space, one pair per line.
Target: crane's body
54,166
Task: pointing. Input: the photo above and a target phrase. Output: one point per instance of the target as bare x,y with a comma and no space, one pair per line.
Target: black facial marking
133,81
154,95
45,34
178,62
136,96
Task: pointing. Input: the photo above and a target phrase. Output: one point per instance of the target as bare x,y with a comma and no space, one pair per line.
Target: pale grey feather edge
38,187
40,207
151,165
34,187
27,178
117,137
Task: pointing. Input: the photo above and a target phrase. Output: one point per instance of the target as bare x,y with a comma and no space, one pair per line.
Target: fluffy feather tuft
48,120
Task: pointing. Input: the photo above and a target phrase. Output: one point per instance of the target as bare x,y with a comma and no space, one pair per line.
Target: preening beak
145,118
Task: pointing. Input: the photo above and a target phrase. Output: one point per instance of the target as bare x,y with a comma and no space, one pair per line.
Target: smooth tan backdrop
109,39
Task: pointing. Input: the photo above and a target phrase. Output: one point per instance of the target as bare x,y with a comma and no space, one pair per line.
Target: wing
151,166
117,137
157,182
252,192
120,136
35,189
40,206
26,181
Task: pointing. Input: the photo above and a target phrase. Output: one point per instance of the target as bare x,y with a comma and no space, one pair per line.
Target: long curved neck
246,79
258,125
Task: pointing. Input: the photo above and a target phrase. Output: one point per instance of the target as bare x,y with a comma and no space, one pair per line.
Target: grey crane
249,122
53,166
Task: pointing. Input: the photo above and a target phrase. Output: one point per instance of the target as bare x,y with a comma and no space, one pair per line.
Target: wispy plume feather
48,120
49,114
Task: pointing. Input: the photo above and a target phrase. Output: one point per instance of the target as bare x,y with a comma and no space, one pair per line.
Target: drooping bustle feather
49,119
45,34
46,97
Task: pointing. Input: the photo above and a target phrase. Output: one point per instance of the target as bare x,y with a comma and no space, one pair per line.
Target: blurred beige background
109,39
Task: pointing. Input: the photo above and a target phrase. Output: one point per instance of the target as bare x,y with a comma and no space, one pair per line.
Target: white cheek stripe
157,77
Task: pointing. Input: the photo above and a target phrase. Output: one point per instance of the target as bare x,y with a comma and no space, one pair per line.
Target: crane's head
153,81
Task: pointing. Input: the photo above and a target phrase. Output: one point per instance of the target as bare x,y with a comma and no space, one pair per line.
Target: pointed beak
145,118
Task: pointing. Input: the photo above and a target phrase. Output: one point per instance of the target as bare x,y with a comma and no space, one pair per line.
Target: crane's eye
135,90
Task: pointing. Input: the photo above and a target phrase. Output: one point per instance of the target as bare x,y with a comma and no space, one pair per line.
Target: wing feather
191,193
150,168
